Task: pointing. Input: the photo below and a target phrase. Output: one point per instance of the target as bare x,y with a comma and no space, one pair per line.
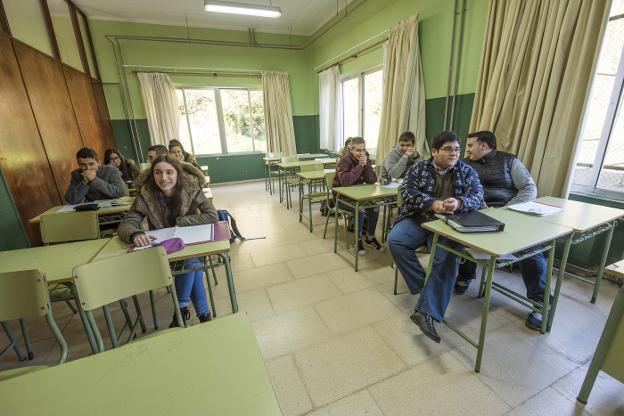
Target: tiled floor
337,342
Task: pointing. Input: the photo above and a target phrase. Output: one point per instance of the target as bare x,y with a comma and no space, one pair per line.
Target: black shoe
186,316
461,286
205,318
425,323
534,321
373,243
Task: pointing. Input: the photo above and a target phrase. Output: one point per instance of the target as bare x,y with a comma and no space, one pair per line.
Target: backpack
224,215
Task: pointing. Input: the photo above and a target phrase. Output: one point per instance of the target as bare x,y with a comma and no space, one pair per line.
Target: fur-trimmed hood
192,179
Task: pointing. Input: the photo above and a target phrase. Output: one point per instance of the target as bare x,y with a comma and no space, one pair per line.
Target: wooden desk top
302,156
212,368
293,165
115,247
101,211
56,261
367,192
521,231
580,216
315,174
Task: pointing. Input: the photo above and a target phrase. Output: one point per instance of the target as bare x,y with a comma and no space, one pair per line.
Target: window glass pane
372,108
201,109
27,23
183,131
617,8
351,108
64,32
236,120
612,173
87,46
257,115
598,104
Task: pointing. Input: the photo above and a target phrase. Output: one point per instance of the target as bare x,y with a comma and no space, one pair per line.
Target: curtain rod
194,71
336,60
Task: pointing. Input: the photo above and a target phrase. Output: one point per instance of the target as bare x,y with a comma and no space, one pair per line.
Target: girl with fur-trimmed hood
169,195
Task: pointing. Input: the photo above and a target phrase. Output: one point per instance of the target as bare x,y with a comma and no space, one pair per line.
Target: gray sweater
522,180
106,185
395,165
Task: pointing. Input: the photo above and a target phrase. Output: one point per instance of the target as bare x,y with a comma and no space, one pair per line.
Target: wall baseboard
214,185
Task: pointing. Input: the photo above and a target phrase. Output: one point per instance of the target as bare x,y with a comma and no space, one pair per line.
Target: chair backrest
114,278
288,159
274,154
329,180
312,167
69,226
377,170
24,294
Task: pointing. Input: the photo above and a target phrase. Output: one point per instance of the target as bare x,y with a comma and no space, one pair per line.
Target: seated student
505,181
355,168
127,167
171,195
156,150
401,158
443,184
93,181
176,150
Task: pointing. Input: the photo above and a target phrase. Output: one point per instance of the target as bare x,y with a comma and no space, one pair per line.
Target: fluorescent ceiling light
242,8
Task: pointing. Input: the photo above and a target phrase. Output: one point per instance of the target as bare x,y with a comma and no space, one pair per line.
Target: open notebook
194,234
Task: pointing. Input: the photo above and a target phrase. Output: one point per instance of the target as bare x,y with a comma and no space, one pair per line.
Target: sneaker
186,316
426,325
373,243
534,321
361,248
461,286
205,318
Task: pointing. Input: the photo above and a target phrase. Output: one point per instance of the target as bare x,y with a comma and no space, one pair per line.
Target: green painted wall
12,234
27,23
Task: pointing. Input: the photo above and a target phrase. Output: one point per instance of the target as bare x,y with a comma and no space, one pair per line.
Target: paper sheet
535,208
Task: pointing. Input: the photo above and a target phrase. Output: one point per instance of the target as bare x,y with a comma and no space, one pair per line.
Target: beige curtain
278,113
536,70
403,105
161,107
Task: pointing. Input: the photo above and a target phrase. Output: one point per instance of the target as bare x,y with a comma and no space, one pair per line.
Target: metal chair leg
26,339
12,342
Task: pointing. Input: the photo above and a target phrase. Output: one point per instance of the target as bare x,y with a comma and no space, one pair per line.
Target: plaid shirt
419,184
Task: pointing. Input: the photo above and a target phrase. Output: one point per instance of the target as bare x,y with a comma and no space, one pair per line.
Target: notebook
536,208
194,234
472,222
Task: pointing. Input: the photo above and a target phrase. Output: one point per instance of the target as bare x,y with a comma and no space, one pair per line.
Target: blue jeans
533,272
371,214
404,238
190,287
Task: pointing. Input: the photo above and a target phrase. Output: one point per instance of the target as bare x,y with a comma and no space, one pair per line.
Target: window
600,161
221,120
361,112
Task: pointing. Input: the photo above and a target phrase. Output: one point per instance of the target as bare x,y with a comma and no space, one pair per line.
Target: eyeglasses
449,149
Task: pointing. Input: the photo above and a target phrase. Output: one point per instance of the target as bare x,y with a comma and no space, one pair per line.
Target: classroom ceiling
299,17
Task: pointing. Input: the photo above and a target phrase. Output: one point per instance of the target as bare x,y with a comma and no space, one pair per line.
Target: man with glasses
445,185
505,181
92,180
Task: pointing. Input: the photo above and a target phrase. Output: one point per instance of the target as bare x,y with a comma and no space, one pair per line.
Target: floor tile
260,277
316,264
301,292
340,366
440,386
549,402
270,255
289,389
360,404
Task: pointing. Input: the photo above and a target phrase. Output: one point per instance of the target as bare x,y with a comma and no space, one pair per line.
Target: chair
69,226
24,294
329,183
288,178
112,279
317,191
270,171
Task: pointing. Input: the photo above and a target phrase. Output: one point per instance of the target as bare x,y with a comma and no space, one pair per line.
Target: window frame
361,102
221,120
616,103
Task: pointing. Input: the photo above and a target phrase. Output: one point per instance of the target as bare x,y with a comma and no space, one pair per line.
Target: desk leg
153,305
83,317
266,178
336,226
601,266
310,204
29,352
484,313
207,261
301,200
560,277
12,342
355,232
230,281
546,306
279,184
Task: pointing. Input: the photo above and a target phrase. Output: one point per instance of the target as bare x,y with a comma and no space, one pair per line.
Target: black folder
472,222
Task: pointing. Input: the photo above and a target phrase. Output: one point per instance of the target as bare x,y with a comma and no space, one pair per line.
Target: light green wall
27,24
64,32
196,55
368,22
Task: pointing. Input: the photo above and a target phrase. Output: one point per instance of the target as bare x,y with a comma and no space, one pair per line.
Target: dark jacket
106,185
494,170
350,172
419,184
196,208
